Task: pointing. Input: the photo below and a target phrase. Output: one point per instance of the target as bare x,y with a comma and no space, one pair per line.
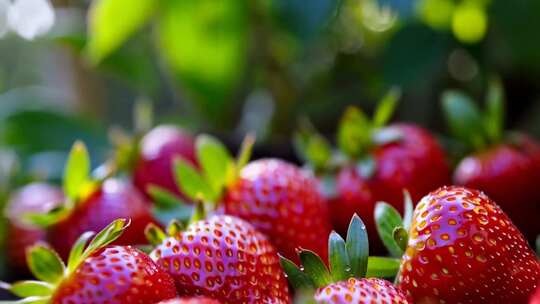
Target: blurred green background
229,66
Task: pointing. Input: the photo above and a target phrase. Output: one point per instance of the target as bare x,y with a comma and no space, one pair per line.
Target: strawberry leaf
245,151
494,116
154,234
45,264
386,135
216,162
180,212
382,267
464,118
26,289
193,184
354,132
76,171
315,268
106,236
77,250
174,227
408,210
45,220
386,107
199,213
387,218
357,246
339,259
297,278
401,237
312,147
163,198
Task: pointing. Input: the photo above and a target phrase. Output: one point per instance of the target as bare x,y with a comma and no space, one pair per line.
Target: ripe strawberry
276,197
464,249
348,263
503,165
158,149
224,258
32,198
101,273
194,300
535,298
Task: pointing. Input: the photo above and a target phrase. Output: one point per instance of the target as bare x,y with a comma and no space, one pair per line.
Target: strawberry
99,273
158,148
464,249
348,264
222,257
380,161
503,165
535,298
91,204
276,197
194,300
34,197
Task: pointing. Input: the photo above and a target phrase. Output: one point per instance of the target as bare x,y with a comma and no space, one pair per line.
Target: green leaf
26,289
154,234
408,210
340,268
192,184
174,227
297,278
386,135
401,237
45,264
216,161
246,150
354,132
387,218
382,267
311,146
180,212
112,22
163,198
77,250
464,118
357,246
494,116
76,171
199,213
106,236
386,107
315,268
30,300
45,220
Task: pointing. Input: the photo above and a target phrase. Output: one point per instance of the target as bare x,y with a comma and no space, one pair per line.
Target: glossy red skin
114,199
416,163
463,249
224,258
194,300
284,203
36,198
116,275
510,175
535,298
361,291
158,149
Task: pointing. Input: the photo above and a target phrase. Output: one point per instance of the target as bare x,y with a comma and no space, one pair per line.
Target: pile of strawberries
176,219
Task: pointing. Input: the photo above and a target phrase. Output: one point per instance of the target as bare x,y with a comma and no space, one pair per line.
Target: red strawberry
535,298
158,149
464,249
113,199
194,300
224,258
276,197
32,198
508,173
281,201
344,283
98,274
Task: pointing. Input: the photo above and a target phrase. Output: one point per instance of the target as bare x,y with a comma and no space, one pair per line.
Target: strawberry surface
463,248
224,258
194,300
283,202
360,291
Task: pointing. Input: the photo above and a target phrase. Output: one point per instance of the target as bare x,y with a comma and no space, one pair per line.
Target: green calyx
78,184
347,258
50,270
218,169
155,235
392,228
475,128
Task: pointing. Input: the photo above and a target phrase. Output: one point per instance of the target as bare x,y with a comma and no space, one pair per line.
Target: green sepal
464,119
382,267
77,250
312,147
30,300
191,182
216,162
408,210
401,237
354,132
174,227
315,268
494,113
246,149
154,234
45,220
25,289
297,278
106,236
181,212
340,267
143,115
45,264
387,135
357,246
164,198
76,171
386,107
387,218
199,212
366,167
